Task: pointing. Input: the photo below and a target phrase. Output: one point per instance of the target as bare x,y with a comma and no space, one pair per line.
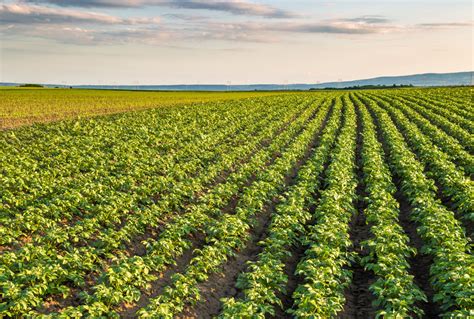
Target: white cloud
239,7
76,25
32,14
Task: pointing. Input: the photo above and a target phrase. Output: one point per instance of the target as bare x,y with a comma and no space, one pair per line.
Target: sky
230,42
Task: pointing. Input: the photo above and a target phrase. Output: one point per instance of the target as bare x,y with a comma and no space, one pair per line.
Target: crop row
458,116
104,168
454,184
443,237
324,266
460,105
231,232
452,128
123,281
389,250
151,214
72,264
266,278
453,149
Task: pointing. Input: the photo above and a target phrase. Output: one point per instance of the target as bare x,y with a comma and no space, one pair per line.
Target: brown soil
358,296
222,284
467,225
420,263
165,279
297,253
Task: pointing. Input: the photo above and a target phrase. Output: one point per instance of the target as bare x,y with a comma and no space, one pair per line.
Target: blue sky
240,41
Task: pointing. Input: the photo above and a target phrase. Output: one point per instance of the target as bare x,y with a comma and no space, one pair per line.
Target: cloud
335,27
58,33
234,7
31,14
193,30
269,32
77,25
367,24
96,3
184,17
90,36
324,27
445,24
238,7
369,19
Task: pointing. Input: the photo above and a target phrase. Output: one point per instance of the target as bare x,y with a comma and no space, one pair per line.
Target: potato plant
147,212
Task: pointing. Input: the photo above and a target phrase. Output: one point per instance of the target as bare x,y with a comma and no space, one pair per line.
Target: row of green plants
89,166
227,160
442,109
230,233
27,106
61,186
452,128
449,145
325,266
265,280
397,295
128,277
51,269
93,212
453,183
461,96
460,107
451,273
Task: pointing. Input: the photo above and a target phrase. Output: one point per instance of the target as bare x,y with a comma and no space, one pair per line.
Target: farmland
25,106
350,204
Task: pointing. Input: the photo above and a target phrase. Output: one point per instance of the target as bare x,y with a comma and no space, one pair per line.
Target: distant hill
426,79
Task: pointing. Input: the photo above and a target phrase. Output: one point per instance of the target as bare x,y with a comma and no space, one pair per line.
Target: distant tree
366,87
29,85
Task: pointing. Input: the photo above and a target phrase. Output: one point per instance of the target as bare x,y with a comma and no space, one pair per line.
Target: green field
326,204
24,106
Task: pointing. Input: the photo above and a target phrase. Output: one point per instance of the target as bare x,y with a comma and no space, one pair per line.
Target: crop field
24,106
325,204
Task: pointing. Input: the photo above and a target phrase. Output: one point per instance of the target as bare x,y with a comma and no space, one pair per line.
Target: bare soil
420,263
358,296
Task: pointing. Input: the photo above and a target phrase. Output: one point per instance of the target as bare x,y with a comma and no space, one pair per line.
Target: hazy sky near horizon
240,41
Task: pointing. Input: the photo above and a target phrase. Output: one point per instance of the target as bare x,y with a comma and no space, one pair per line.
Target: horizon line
244,84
